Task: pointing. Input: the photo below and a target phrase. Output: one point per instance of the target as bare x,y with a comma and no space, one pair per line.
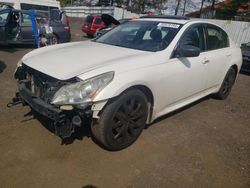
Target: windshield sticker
176,26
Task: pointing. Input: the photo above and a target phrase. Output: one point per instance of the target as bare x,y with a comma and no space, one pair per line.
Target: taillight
67,19
67,28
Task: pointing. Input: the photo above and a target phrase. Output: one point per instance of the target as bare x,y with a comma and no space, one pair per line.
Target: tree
184,7
177,7
65,2
229,10
202,2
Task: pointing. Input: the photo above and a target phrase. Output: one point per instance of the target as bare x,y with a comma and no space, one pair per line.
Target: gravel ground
206,144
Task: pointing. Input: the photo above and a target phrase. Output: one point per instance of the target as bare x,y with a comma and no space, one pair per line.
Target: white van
41,5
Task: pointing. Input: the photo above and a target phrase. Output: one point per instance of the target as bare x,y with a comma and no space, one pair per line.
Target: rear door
218,55
4,17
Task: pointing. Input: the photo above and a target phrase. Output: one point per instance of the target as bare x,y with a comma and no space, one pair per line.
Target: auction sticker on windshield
176,26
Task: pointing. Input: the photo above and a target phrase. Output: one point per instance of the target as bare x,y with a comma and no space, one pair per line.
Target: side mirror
187,51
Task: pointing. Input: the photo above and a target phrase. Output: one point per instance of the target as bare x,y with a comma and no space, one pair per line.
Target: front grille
40,84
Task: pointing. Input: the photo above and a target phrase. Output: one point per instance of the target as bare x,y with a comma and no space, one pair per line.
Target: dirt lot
206,144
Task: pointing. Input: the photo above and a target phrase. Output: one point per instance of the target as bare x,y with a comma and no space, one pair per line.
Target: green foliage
228,11
65,2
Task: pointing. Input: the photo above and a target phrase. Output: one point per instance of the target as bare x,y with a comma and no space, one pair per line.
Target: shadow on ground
2,66
79,134
14,48
85,129
178,111
89,186
245,73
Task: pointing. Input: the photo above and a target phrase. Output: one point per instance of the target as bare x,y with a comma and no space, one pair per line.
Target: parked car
105,29
246,57
128,77
91,24
16,27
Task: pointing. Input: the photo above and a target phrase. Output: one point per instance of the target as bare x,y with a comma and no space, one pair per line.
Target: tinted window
3,16
25,6
89,19
26,18
55,14
216,38
142,35
194,36
98,21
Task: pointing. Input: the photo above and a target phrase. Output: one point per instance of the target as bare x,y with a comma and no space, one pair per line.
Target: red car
92,23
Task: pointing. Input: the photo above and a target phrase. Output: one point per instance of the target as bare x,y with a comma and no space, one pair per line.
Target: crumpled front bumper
64,122
39,105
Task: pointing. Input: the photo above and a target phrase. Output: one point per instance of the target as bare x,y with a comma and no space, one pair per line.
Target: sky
192,5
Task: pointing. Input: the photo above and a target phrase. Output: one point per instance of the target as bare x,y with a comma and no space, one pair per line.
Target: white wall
120,13
83,11
239,31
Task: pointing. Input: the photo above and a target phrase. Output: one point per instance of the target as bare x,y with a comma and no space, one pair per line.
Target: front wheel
122,120
227,85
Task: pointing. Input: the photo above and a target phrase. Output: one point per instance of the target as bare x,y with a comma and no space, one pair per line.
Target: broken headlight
83,91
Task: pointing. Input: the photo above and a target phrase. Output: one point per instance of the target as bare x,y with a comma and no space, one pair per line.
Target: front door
4,17
182,78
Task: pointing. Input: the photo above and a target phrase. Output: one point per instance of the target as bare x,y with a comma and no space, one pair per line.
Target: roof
178,21
167,17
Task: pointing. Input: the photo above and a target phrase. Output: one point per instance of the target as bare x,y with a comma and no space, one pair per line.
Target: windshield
143,35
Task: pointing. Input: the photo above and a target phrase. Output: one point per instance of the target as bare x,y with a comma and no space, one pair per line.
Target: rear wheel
54,39
122,121
227,84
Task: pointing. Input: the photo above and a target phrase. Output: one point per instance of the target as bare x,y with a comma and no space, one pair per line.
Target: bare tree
184,7
202,2
212,7
177,7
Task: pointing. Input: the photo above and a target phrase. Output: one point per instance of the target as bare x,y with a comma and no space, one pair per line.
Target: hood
66,61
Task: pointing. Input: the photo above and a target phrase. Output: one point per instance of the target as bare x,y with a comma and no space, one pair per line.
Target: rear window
89,19
216,38
98,21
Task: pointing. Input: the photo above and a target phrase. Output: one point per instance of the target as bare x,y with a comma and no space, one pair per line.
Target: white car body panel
173,82
63,64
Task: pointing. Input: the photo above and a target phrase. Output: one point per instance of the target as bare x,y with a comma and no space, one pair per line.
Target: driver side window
194,36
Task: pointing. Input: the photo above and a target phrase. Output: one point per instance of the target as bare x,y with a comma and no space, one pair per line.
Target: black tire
54,40
89,35
122,121
226,85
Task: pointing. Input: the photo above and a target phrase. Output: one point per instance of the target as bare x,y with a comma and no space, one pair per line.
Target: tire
122,121
54,40
226,85
89,35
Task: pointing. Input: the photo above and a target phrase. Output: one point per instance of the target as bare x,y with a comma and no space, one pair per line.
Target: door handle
206,61
228,54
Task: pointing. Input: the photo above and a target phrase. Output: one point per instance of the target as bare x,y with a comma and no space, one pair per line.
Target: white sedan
128,77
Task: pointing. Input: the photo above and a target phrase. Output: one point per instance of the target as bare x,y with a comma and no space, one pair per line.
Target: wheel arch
149,95
235,67
144,89
57,36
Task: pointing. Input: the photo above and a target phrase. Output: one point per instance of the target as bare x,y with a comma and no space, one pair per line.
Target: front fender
121,83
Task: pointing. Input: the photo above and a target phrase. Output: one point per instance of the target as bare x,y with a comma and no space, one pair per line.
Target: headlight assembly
83,91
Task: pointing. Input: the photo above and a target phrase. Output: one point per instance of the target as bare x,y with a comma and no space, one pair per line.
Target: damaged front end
37,90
